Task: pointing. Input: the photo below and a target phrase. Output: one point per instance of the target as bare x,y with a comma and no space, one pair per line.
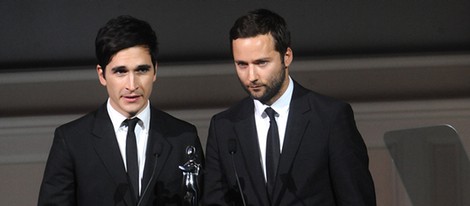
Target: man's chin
255,96
134,110
258,97
263,98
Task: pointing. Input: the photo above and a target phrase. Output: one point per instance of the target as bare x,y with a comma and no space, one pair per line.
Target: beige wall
35,103
25,142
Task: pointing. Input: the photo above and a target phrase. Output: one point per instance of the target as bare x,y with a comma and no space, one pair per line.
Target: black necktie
272,150
131,157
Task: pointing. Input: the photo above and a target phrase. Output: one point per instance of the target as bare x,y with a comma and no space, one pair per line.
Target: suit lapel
158,151
107,148
297,123
245,130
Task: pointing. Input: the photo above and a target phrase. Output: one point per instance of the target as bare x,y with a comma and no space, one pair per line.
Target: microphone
232,149
156,154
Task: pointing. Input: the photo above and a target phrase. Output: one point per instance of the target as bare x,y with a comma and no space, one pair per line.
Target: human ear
101,77
288,57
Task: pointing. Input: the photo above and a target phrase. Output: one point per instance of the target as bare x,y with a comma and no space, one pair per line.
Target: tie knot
270,112
131,123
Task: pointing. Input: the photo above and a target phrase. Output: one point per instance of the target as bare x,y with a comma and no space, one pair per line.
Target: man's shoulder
315,97
83,121
238,110
325,99
161,117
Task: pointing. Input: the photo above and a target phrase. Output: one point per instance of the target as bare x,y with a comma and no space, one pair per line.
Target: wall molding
65,90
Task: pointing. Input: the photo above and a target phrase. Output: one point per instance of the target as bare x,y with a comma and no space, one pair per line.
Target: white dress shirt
281,106
141,133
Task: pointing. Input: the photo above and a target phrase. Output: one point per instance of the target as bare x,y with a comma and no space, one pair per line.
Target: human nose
132,82
252,73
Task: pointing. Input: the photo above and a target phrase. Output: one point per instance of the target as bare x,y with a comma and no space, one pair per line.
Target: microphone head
191,152
232,146
158,150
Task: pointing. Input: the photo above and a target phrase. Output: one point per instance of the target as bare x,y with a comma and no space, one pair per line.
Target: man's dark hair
261,22
121,33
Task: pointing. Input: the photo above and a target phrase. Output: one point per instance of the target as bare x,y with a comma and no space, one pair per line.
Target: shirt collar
117,118
281,105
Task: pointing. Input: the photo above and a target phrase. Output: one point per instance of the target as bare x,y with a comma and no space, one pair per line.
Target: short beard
272,88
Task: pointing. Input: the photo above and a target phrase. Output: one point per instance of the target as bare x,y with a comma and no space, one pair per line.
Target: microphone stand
232,149
190,178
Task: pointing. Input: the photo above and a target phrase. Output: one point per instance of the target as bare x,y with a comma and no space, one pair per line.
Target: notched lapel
246,134
158,151
245,130
297,123
107,149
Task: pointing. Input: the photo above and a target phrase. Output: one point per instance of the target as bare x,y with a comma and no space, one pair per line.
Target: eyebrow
117,68
240,62
262,60
114,69
255,61
144,66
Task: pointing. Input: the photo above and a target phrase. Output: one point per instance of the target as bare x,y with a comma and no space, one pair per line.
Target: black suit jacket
85,166
323,162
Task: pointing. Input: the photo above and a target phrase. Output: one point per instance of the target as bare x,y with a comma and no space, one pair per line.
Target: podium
432,164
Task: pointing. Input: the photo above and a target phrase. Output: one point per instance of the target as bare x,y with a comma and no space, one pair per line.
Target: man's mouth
132,98
255,87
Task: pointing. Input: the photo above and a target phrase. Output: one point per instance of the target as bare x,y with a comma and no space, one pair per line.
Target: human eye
143,69
120,71
241,64
262,63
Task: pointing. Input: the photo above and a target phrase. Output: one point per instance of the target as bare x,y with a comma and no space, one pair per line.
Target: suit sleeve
214,184
58,186
349,163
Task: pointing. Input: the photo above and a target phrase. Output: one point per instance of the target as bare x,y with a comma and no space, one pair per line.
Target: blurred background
401,64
